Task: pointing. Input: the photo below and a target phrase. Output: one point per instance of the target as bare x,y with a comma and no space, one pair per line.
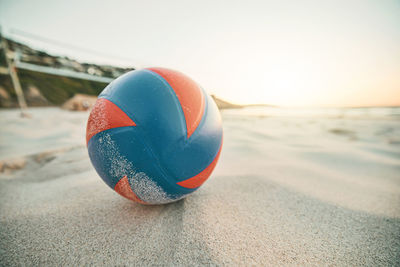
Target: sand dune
288,190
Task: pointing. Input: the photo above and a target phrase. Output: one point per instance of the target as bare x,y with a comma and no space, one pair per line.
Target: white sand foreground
288,190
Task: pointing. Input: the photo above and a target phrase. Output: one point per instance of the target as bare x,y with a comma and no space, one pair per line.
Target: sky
287,53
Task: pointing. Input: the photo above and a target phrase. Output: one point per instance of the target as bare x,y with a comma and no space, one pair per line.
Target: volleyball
154,135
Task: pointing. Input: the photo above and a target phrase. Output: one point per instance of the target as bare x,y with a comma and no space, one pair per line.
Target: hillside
43,89
54,89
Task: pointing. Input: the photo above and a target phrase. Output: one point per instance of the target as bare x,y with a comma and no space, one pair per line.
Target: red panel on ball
189,94
106,115
124,189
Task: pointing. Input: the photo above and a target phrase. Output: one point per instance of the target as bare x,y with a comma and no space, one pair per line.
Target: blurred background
287,53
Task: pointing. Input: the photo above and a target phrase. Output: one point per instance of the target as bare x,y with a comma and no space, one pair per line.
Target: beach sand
288,190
